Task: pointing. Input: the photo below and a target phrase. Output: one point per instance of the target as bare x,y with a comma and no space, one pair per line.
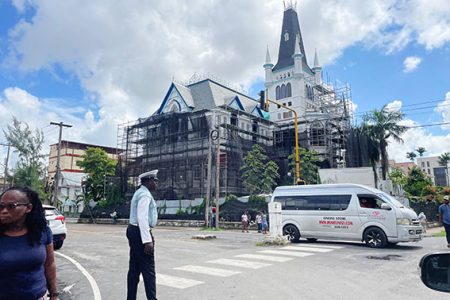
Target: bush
230,197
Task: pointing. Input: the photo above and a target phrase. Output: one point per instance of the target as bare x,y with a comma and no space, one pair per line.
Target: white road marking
265,257
307,249
208,271
287,253
321,246
94,286
176,282
238,263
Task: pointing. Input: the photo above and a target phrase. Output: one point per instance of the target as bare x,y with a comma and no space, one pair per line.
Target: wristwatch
55,294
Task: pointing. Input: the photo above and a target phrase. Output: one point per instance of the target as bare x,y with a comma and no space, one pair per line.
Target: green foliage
309,161
257,203
180,211
421,151
380,126
411,155
258,173
398,178
29,170
99,166
230,197
199,209
416,182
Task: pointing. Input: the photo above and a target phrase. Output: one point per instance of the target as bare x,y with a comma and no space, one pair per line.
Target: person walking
264,223
444,218
258,219
245,221
143,217
27,259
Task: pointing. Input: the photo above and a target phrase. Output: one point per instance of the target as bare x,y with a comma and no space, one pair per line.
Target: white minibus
345,212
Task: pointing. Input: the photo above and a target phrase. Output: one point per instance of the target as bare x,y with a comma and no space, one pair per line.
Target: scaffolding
177,144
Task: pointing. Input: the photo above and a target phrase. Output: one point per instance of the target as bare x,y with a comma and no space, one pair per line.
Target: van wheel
292,233
375,238
312,240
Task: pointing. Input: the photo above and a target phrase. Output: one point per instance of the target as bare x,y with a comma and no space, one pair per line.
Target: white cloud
444,109
418,137
395,105
124,54
411,63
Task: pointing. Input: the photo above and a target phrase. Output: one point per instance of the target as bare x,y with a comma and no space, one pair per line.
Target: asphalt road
93,264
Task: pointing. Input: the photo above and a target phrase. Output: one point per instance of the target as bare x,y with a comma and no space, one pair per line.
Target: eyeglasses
12,205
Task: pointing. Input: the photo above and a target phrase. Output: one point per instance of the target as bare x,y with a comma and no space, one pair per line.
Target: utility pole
217,178
208,179
56,179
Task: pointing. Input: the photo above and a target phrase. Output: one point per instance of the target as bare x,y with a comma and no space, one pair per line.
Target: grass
439,234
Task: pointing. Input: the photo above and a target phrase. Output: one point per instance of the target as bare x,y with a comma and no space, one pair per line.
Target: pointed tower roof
316,60
268,60
290,30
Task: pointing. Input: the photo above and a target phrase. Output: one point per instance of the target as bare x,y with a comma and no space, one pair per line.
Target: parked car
57,224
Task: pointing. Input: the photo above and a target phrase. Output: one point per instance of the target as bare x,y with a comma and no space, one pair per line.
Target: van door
370,211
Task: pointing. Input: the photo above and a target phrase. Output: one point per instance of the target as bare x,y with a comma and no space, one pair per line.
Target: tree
416,182
398,179
444,160
258,172
380,125
411,155
421,151
309,165
99,166
28,144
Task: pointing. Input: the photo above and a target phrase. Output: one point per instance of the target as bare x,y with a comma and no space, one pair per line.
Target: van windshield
391,200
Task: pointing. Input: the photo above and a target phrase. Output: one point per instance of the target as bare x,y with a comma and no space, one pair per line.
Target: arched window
283,91
288,90
277,92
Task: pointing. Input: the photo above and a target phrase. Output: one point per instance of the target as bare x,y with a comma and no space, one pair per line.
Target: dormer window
286,36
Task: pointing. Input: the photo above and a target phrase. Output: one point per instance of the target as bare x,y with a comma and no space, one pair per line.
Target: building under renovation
205,124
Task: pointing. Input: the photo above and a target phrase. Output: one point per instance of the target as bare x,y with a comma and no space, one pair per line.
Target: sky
97,64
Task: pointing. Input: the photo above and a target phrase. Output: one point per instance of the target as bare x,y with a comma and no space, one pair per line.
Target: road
234,267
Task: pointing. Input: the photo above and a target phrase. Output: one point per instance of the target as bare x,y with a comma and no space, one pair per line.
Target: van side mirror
435,271
385,206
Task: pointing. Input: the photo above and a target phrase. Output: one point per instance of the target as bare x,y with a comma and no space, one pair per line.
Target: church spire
316,59
268,60
289,33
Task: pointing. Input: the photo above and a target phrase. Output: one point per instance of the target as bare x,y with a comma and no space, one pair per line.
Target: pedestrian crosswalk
241,263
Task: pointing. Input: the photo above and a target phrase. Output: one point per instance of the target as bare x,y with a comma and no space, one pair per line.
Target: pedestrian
113,216
258,219
264,224
444,218
27,260
143,217
423,221
245,221
213,217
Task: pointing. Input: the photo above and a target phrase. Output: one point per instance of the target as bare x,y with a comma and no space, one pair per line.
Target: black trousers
140,263
447,232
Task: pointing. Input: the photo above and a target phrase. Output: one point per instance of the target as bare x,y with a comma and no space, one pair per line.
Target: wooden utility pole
57,174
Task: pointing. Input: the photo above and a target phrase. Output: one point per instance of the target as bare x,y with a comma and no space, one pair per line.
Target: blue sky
112,61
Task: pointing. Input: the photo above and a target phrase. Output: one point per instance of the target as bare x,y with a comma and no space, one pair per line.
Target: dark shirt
22,274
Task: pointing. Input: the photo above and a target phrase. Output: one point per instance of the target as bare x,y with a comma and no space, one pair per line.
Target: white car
57,224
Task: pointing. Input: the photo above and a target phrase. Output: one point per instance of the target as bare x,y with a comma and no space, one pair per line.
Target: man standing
444,218
143,217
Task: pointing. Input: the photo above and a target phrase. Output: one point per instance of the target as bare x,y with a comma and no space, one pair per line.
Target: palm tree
380,125
411,155
444,160
421,151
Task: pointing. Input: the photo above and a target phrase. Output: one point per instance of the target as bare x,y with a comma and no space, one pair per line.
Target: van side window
319,202
369,201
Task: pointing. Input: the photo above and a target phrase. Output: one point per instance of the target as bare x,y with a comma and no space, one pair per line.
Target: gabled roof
208,94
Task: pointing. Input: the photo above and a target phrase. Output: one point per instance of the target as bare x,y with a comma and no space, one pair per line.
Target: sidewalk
433,230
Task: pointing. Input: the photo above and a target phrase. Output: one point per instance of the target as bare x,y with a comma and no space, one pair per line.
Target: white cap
445,197
150,174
